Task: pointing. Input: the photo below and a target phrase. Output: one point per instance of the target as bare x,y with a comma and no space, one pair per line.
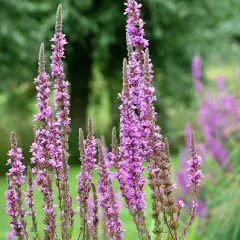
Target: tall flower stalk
130,168
107,198
61,97
42,146
84,178
137,120
195,177
14,193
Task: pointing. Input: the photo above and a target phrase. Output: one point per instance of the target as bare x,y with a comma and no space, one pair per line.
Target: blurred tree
177,30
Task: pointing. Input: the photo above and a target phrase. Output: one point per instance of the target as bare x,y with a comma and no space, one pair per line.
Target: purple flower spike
14,206
134,27
46,136
107,198
130,165
84,178
195,173
195,177
57,71
62,106
43,90
88,150
42,150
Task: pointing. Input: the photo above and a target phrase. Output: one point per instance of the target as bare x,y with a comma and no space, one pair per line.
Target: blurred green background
95,30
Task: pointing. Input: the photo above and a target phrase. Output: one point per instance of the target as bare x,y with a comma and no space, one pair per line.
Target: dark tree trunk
79,75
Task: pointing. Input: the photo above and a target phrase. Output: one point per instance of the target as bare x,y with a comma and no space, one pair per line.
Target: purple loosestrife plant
140,148
42,146
87,150
107,198
130,166
61,97
218,116
195,177
14,194
139,77
182,178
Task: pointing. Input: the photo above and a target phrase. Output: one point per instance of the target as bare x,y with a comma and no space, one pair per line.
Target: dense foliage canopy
95,29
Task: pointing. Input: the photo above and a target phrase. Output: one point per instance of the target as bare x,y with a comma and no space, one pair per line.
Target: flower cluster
57,71
182,178
14,207
62,103
218,116
195,173
107,198
135,24
130,165
88,150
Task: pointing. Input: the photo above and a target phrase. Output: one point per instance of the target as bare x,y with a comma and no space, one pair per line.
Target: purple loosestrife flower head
139,78
47,135
84,178
87,150
14,193
182,177
107,198
43,90
180,205
140,75
134,27
228,114
57,71
46,140
196,74
62,106
46,149
130,165
139,97
42,148
184,154
195,177
213,116
42,86
195,173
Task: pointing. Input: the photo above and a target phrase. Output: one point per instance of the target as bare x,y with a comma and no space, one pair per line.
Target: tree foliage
177,30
